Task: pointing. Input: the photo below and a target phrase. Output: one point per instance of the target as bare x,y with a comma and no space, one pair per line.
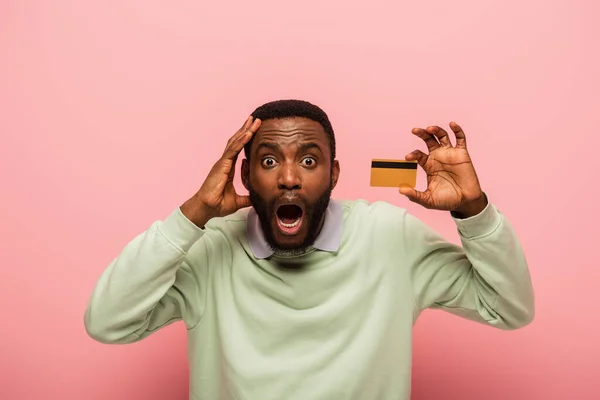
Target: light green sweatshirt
338,328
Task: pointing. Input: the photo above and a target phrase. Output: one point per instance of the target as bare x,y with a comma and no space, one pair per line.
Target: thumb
414,195
243,201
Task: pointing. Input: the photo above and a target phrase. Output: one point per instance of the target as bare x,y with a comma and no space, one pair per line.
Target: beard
313,217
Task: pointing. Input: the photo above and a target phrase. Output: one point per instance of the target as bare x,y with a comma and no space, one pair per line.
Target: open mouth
289,218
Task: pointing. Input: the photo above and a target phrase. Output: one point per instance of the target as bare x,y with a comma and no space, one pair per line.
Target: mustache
286,197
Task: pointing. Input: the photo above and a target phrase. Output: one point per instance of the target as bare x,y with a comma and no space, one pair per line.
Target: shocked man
289,294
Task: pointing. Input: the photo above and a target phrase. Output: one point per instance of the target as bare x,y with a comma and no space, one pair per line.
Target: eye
309,162
269,162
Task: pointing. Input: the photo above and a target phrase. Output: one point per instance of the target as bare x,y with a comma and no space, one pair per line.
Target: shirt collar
329,238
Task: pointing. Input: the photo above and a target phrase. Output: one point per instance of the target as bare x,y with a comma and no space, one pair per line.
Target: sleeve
486,280
150,284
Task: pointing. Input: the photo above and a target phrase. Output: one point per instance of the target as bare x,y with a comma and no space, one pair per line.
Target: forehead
290,131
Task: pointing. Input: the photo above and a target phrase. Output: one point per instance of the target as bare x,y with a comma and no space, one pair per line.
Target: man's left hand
452,184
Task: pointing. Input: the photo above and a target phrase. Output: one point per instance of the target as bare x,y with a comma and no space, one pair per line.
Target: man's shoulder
223,233
366,216
229,224
375,224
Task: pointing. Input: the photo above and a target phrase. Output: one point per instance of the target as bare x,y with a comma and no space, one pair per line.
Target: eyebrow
268,146
310,146
302,148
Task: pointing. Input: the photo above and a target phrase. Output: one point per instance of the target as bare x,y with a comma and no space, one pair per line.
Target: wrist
471,208
196,211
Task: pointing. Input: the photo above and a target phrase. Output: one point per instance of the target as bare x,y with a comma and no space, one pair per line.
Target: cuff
481,224
182,232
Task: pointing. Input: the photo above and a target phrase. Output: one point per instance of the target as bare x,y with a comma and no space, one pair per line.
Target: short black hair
281,109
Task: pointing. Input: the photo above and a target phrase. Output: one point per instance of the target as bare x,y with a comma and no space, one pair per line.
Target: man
300,296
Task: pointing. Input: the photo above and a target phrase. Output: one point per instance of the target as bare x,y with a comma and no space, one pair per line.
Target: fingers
421,198
440,134
427,137
418,156
412,194
435,136
247,122
240,131
239,140
461,140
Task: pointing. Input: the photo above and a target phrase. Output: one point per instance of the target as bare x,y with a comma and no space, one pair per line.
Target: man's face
290,177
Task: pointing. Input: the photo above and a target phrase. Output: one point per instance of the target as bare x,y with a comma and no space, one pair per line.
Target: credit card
393,173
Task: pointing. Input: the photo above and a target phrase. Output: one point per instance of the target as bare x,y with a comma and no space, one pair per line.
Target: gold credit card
393,173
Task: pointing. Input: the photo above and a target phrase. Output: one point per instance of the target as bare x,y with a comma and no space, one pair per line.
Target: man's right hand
217,196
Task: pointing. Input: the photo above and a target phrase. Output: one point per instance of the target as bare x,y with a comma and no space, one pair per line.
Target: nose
289,177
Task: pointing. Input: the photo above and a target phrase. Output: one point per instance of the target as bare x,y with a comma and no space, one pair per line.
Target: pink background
112,113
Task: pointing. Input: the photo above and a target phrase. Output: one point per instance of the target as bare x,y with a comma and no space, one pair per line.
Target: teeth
290,225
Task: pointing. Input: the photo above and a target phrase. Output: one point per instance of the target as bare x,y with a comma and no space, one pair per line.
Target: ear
335,173
245,173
